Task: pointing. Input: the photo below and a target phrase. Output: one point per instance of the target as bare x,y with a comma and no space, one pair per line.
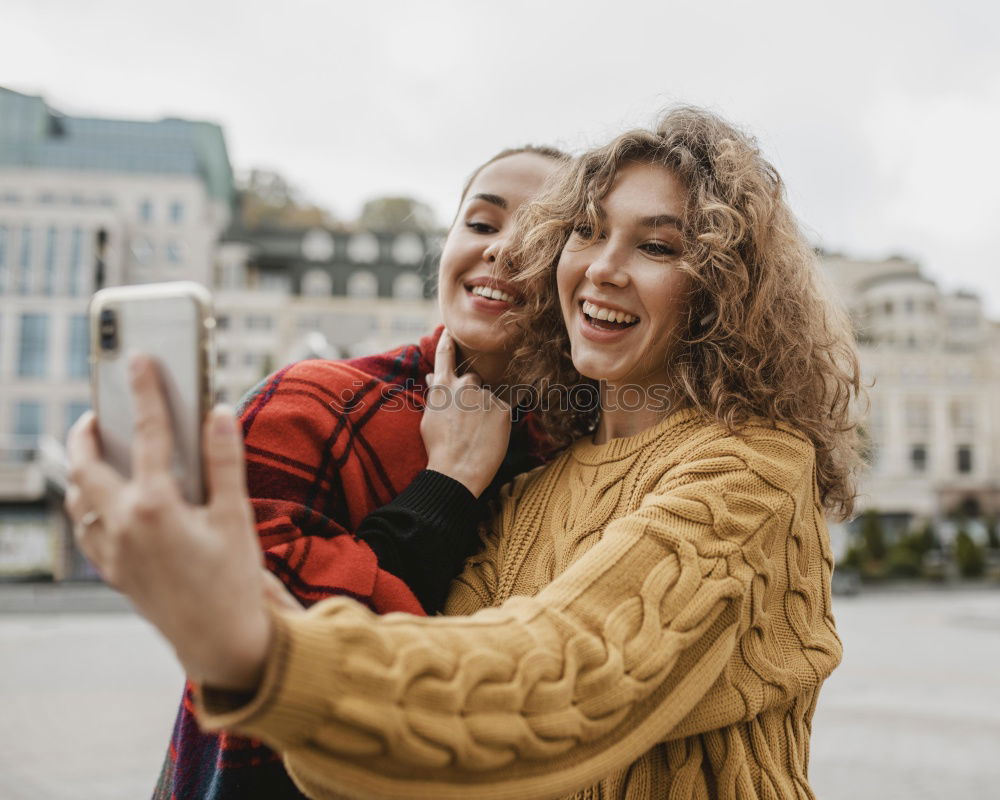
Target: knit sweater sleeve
544,694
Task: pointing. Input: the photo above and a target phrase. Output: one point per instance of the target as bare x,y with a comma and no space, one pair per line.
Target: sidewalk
60,598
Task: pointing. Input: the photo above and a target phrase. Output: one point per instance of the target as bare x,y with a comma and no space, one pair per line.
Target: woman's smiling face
471,294
622,294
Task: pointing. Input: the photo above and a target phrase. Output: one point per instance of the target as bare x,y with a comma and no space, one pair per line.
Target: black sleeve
424,536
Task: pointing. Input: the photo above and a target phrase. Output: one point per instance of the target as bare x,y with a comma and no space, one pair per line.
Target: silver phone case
173,323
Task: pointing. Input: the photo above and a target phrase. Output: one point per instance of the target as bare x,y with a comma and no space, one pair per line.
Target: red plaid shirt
327,443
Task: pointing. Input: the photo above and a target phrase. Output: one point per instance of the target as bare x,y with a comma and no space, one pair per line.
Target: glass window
918,457
963,414
78,352
362,284
175,252
27,422
3,259
963,459
24,262
918,414
317,283
51,240
362,247
75,273
176,212
258,322
146,210
73,411
408,286
222,322
34,345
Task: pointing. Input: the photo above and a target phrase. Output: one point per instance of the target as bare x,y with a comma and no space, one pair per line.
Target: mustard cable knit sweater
663,629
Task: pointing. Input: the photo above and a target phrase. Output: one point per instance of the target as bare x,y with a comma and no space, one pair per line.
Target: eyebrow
660,220
495,199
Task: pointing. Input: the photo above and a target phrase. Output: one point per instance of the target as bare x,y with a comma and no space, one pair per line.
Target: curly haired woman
650,615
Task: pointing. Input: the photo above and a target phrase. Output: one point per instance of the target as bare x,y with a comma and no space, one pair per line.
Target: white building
85,202
285,295
932,360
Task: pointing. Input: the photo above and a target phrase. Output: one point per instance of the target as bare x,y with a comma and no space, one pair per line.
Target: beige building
932,360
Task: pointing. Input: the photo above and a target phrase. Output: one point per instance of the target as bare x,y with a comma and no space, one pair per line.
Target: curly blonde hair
761,338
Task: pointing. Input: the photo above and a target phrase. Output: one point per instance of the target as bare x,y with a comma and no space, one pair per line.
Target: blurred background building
88,202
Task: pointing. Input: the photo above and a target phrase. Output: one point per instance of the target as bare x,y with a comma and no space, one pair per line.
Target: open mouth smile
607,319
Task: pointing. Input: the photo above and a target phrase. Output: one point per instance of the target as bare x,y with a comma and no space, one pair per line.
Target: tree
872,536
267,200
397,214
968,556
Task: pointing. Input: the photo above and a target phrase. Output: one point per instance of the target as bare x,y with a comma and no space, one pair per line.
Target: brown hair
539,150
762,338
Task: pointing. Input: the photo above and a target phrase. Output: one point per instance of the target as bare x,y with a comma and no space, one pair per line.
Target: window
27,422
222,322
78,352
175,252
51,240
24,262
888,306
407,248
176,212
34,346
908,305
918,458
408,286
963,415
75,273
146,210
362,247
963,459
221,358
918,414
317,283
73,411
258,322
142,250
3,259
362,284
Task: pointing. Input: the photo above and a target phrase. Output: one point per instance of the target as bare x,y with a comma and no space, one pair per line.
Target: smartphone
172,323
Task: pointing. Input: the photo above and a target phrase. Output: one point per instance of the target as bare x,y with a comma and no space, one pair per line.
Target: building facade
84,203
931,360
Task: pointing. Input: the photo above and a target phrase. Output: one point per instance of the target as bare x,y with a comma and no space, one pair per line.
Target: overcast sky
883,117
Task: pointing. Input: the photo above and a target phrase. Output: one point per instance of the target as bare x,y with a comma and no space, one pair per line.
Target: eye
481,227
658,249
586,232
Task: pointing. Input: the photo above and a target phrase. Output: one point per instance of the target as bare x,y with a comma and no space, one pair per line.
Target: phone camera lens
108,330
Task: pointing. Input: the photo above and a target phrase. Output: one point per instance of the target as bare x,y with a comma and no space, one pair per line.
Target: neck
626,411
490,367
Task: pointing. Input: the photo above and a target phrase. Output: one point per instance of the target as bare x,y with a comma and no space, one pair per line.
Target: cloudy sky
883,117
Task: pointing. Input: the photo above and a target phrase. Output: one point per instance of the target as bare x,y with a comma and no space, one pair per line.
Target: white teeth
599,312
492,293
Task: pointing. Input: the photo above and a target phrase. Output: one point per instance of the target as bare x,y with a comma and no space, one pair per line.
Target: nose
608,269
491,253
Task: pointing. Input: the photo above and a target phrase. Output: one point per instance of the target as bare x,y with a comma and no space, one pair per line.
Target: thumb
224,465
